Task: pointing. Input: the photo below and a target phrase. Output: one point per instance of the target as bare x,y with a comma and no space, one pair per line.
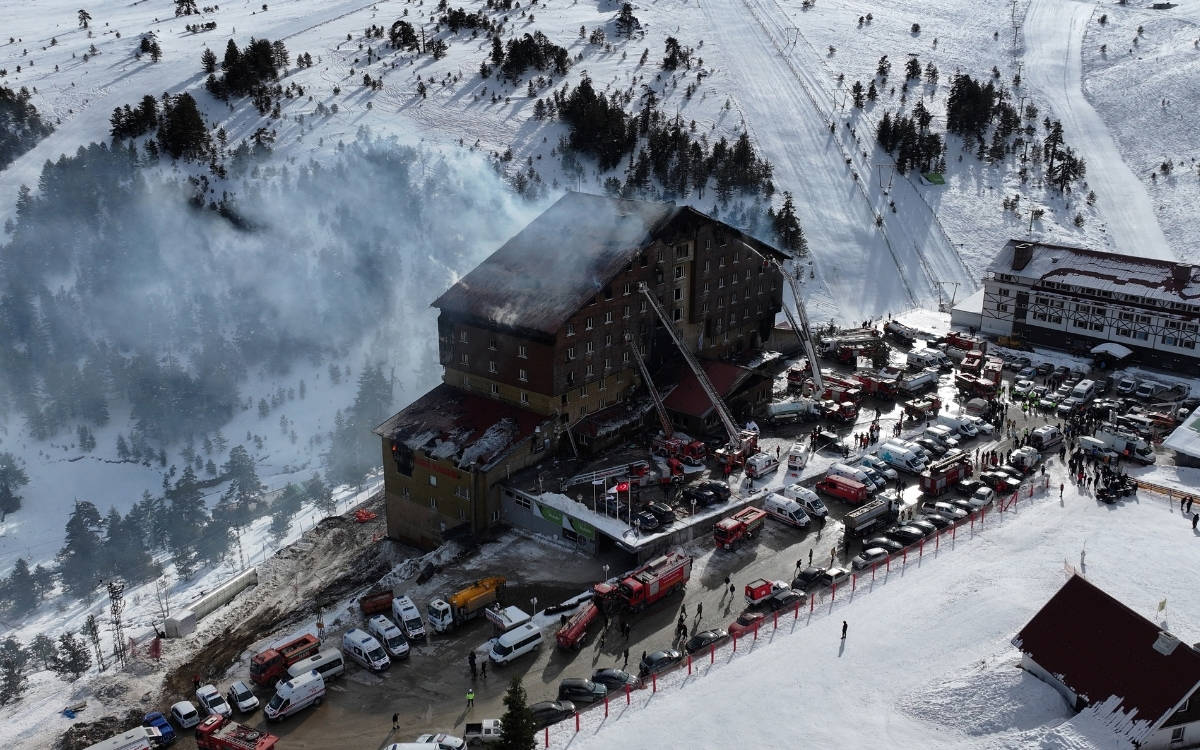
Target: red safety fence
978,517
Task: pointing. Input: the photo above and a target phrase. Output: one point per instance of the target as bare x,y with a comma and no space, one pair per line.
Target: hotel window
495,390
608,318
462,336
679,272
587,371
522,352
433,480
465,358
570,329
703,308
607,363
625,357
570,353
707,264
433,503
643,306
625,312
493,345
491,365
678,294
587,348
677,314
524,397
588,323
681,251
523,376
721,283
608,339
628,289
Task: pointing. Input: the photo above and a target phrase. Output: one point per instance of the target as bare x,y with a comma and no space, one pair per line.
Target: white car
1022,387
869,557
241,697
945,510
443,741
879,465
185,714
211,701
982,496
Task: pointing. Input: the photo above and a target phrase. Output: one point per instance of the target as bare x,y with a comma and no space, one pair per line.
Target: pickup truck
482,732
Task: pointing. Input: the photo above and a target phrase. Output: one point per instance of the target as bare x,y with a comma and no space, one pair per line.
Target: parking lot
428,691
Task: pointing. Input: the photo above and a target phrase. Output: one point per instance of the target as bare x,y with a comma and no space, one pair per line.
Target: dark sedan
923,525
807,578
705,638
719,489
938,521
658,661
546,713
891,545
615,679
579,690
905,534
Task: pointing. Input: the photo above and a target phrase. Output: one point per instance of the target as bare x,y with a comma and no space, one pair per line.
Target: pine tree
872,93
85,18
122,448
73,659
13,679
188,514
856,94
626,21
183,134
155,52
787,227
12,479
912,69
244,487
208,61
232,57
81,553
20,587
42,649
517,727
43,581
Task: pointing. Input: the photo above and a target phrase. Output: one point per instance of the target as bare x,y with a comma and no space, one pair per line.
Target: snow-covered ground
928,660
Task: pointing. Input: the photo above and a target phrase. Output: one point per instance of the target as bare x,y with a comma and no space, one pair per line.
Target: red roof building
739,387
1102,656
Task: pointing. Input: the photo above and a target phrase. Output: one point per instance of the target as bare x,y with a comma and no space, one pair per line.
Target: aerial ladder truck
742,443
668,445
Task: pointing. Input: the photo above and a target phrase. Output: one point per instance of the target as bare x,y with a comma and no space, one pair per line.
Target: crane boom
701,376
663,418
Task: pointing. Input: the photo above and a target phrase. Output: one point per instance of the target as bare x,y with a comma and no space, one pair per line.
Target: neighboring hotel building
533,345
1068,298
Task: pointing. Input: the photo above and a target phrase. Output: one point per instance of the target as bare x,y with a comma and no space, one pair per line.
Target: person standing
699,609
471,663
395,721
810,556
625,664
845,627
483,670
470,697
1195,518
1189,504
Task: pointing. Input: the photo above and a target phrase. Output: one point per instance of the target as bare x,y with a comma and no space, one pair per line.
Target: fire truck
973,385
876,384
731,532
218,733
681,448
655,580
965,341
973,362
267,665
920,409
575,629
844,411
839,388
941,475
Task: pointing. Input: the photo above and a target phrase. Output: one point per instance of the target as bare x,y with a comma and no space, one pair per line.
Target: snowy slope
1054,30
927,662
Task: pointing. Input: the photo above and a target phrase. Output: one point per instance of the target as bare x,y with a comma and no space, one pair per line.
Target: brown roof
689,397
1102,649
454,424
549,269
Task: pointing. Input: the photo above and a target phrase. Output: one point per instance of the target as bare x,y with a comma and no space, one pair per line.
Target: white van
516,643
296,694
901,457
809,500
857,474
328,663
962,425
942,434
141,738
919,359
362,647
761,464
789,511
1093,447
797,458
1085,390
408,617
389,635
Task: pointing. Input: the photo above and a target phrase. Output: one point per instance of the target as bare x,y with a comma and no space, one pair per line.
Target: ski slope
1053,32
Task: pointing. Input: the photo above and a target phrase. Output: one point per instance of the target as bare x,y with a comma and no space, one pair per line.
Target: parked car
705,638
939,521
663,512
745,623
891,545
1062,371
982,496
934,447
1044,368
786,600
241,698
442,741
166,732
581,690
720,489
925,527
879,465
905,534
868,557
546,713
658,661
615,679
1039,391
1027,372
646,521
1022,387
211,701
944,509
962,504
833,577
967,487
185,714
807,578
1126,386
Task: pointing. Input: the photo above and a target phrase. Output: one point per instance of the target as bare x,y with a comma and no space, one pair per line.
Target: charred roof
565,256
